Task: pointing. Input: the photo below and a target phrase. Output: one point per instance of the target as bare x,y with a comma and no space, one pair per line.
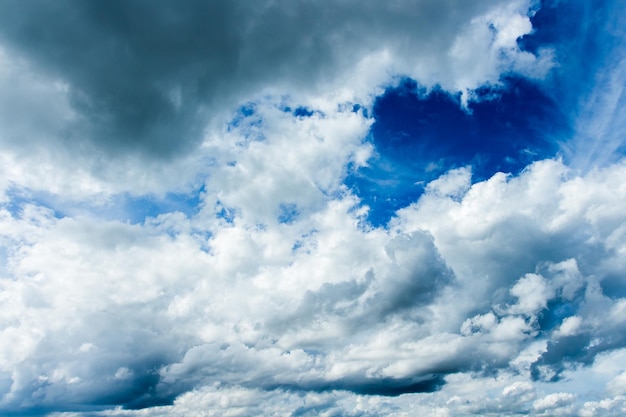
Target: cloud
142,74
133,87
107,313
554,401
179,234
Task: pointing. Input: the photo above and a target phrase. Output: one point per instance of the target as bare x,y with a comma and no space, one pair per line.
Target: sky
312,208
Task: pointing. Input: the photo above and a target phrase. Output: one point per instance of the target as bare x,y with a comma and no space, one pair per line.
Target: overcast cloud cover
303,208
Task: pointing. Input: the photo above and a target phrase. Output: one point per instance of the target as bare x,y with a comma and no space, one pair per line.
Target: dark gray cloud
577,350
388,387
415,279
418,276
147,76
130,357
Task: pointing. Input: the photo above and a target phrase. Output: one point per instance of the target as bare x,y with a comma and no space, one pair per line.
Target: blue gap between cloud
587,37
138,208
420,135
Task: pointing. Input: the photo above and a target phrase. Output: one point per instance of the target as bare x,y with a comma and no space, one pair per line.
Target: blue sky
419,135
312,208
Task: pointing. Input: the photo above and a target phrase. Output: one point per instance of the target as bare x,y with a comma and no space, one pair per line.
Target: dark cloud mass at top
147,76
420,134
303,208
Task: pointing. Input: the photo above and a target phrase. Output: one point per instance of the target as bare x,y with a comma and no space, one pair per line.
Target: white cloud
276,296
517,388
65,131
570,326
557,403
372,303
454,183
532,294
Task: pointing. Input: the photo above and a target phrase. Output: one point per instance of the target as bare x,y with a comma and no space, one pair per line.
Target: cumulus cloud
138,84
271,293
139,314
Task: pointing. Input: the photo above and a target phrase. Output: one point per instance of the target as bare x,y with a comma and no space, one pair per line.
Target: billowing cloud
139,83
139,314
185,226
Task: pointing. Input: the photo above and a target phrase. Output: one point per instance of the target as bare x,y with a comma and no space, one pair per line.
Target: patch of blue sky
225,213
297,245
287,213
574,30
356,108
419,135
303,112
306,242
16,201
300,111
138,208
589,40
248,124
18,198
578,112
555,312
243,112
122,207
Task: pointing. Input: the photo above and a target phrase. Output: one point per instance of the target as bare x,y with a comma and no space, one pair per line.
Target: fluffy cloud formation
139,83
106,313
177,235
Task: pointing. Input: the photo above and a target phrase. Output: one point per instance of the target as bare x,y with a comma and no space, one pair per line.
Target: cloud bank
182,232
139,83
